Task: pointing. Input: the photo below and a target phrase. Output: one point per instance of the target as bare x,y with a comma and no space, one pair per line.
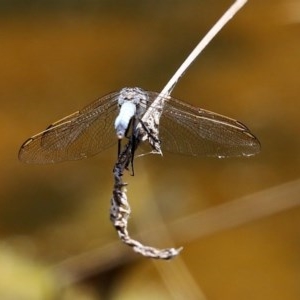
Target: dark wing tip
22,150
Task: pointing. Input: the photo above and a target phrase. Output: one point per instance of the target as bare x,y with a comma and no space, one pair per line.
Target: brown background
238,219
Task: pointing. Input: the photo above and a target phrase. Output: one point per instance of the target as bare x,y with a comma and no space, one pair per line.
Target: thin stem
202,44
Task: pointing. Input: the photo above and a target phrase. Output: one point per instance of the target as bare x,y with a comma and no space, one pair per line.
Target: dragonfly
183,129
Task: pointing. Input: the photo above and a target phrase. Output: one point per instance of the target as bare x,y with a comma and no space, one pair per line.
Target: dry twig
148,130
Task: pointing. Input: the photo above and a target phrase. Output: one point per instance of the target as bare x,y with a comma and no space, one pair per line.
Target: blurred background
238,219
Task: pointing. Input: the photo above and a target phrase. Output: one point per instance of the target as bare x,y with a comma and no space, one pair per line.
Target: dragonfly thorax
132,103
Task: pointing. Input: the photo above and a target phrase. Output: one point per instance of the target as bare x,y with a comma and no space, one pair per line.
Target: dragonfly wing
194,131
80,135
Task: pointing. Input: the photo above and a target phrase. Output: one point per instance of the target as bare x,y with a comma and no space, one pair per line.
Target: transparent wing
194,131
80,135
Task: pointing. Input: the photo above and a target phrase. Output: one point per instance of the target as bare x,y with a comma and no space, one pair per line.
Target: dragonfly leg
134,143
119,147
